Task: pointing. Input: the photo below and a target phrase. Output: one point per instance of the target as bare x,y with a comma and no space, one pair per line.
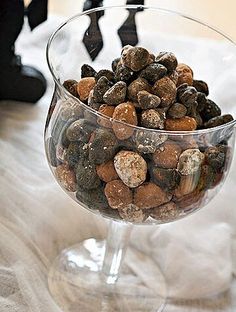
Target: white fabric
37,219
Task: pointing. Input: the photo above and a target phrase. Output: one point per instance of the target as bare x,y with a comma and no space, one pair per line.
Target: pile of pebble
136,173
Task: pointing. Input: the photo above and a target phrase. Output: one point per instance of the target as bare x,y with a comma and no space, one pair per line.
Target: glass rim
100,115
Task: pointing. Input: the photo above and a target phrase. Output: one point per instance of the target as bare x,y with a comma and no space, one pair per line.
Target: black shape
93,37
128,31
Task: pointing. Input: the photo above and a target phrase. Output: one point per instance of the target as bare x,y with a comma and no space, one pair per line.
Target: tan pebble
84,86
124,112
190,161
107,172
66,177
166,212
187,184
108,111
118,194
131,168
185,74
181,124
149,195
167,155
166,90
132,213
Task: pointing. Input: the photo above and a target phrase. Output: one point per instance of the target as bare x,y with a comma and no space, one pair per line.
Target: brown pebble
218,121
147,100
116,94
190,201
167,59
177,110
132,213
66,177
135,87
167,155
167,179
124,112
71,86
149,195
150,118
166,90
166,212
181,124
185,74
135,58
107,172
131,168
84,86
118,194
108,111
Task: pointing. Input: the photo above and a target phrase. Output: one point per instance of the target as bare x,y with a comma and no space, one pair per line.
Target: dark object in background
19,82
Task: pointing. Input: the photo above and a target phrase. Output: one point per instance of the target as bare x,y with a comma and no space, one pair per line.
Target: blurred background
215,12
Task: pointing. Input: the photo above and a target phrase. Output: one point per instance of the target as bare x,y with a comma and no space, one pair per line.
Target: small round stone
66,177
153,72
185,74
87,71
123,73
177,110
136,58
92,102
131,168
74,152
71,86
165,213
150,118
188,184
132,213
116,94
181,124
118,194
147,142
207,178
105,73
167,155
79,130
167,179
108,111
147,100
149,195
84,86
114,63
166,90
190,161
124,112
218,121
93,199
70,109
174,76
211,110
201,86
188,96
100,88
215,157
167,59
107,172
86,175
135,87
102,146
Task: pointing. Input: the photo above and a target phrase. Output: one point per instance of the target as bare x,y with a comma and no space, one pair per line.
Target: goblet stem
116,246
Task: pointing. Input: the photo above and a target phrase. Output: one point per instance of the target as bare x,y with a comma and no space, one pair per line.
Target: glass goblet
95,275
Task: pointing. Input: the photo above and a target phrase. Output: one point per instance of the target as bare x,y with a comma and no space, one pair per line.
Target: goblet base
77,283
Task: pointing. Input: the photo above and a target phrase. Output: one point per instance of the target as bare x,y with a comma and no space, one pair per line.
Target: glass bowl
90,153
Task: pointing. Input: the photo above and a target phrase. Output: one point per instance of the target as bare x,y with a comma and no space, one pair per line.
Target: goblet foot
77,282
